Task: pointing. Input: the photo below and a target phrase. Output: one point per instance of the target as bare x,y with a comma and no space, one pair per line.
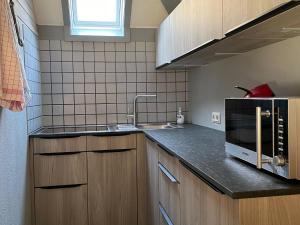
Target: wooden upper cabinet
163,43
112,188
238,12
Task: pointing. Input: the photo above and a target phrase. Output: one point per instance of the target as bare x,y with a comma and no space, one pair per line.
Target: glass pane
97,10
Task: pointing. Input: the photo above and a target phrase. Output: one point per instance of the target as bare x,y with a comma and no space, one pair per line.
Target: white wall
145,13
276,64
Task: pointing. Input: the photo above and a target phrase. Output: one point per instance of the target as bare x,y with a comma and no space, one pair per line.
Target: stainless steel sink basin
157,126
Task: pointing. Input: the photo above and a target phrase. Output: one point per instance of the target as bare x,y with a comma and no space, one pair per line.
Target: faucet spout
135,117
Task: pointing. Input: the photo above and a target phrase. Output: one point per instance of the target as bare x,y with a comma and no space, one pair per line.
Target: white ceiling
145,13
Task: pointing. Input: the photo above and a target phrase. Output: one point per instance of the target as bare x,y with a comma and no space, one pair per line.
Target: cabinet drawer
106,143
57,145
168,182
61,206
170,163
56,170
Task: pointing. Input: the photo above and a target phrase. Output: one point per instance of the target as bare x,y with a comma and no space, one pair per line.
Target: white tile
111,108
171,77
55,56
47,121
89,67
79,109
79,88
67,56
120,56
151,67
46,88
131,67
90,98
100,77
122,108
79,99
68,98
69,120
141,77
140,57
161,117
68,88
122,118
152,117
78,66
44,56
46,78
99,67
88,46
151,87
56,77
47,110
111,88
57,99
101,119
131,87
100,98
180,86
100,88
45,67
141,67
120,47
88,56
67,67
109,47
110,67
141,87
161,107
110,56
91,110
171,97
151,77
101,108
57,110
120,67
78,78
111,98
66,46
171,87
150,56
121,77
77,46
99,57
55,45
67,78
56,88
130,46
130,56
121,87
56,67
110,77
99,46
79,120
89,88
78,56
89,78
121,98
91,119
161,87
131,77
58,120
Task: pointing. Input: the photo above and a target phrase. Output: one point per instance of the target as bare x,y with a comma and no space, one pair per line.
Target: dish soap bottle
180,117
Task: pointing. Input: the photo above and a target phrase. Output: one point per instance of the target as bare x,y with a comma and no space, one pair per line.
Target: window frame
89,26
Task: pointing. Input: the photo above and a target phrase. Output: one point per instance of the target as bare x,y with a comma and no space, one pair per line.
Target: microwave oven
265,132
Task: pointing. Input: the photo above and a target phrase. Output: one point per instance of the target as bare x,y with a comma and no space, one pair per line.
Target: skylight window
97,17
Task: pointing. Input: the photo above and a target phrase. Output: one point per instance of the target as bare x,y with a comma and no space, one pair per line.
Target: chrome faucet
134,115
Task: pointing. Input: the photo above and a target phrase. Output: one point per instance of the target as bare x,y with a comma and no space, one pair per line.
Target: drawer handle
110,135
113,150
59,153
64,137
62,186
167,173
165,215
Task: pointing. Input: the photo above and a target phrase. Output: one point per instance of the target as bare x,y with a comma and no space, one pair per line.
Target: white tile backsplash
96,82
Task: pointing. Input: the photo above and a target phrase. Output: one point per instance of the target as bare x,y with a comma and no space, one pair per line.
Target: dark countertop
202,150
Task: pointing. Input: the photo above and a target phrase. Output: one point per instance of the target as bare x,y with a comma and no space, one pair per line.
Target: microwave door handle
259,115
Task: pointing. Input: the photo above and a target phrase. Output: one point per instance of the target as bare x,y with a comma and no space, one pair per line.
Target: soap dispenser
180,117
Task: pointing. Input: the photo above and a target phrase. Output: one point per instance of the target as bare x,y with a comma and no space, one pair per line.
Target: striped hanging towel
14,91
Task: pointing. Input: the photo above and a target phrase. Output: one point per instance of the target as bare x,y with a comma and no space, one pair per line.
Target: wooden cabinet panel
201,205
152,182
54,170
106,143
238,12
206,21
57,145
64,206
169,194
112,188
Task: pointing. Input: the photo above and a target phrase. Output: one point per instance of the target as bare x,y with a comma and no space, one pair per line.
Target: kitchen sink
157,126
150,126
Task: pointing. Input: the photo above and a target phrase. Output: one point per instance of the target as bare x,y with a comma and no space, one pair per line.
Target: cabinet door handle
112,151
167,173
59,153
62,137
61,186
165,215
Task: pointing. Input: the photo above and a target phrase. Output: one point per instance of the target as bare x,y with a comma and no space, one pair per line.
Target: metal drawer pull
165,215
167,173
61,186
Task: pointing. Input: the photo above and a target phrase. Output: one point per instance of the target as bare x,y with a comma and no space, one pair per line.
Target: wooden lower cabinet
112,188
61,206
152,183
202,205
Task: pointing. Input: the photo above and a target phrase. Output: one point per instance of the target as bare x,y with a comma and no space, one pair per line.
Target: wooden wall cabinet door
163,43
61,206
238,12
112,188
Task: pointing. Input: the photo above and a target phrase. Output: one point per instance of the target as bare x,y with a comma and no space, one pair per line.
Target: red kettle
258,92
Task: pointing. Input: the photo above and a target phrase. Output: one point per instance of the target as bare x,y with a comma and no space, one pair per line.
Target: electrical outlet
216,117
